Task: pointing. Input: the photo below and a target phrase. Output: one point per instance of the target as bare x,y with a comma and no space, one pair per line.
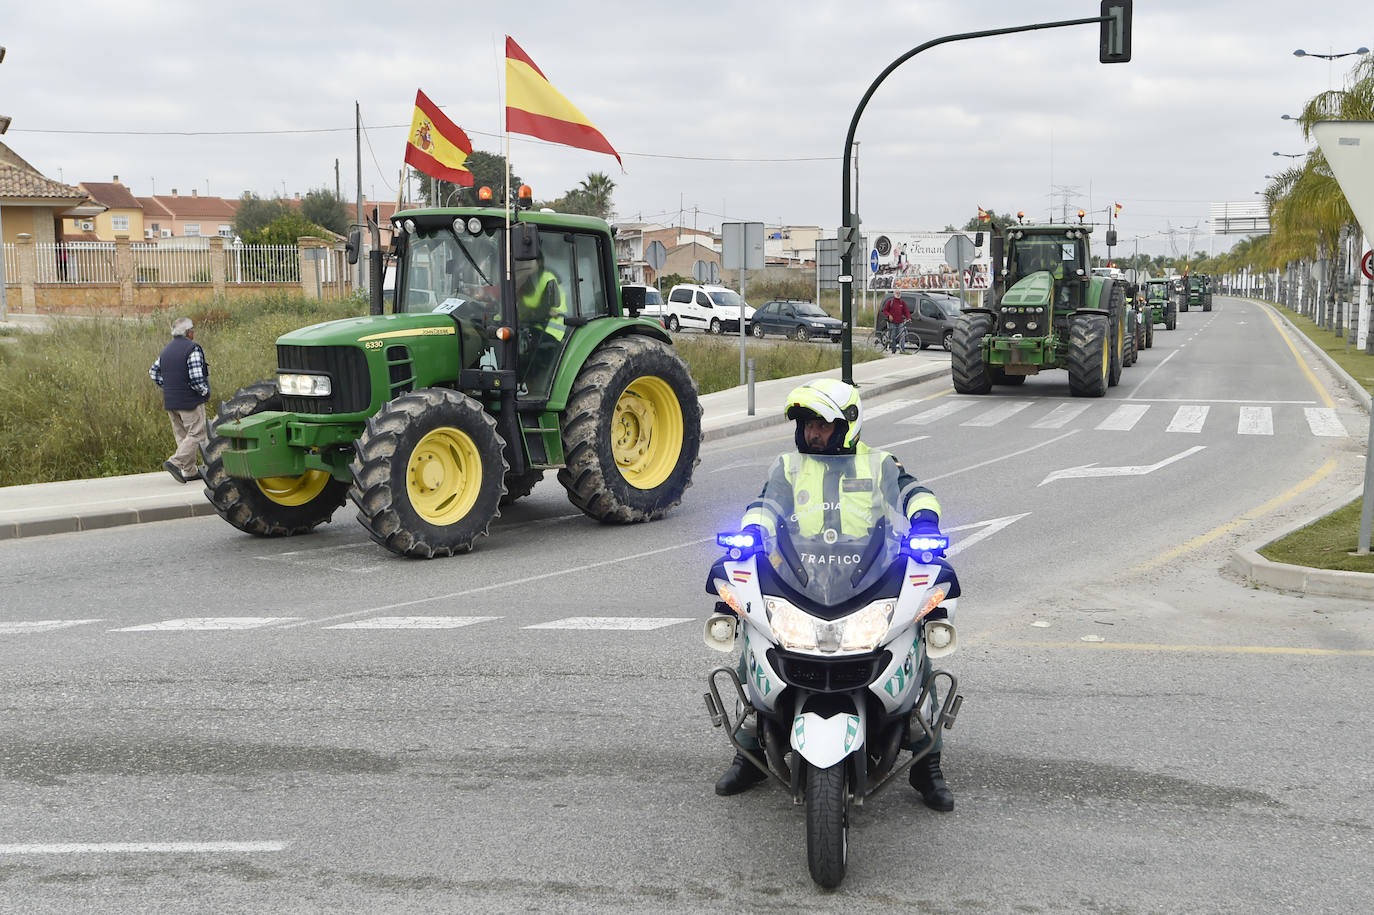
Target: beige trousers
188,426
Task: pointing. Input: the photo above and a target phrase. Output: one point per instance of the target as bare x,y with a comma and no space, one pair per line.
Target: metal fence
95,262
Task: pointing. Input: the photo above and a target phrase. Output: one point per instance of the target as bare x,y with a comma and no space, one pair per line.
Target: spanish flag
535,108
437,146
983,215
1118,210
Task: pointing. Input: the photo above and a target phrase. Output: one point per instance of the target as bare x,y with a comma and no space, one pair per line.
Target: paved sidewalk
80,505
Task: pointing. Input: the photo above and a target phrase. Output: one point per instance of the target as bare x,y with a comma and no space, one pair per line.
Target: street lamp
1291,155
4,304
1301,53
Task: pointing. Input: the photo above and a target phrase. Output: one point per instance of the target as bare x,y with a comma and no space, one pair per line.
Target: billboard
916,260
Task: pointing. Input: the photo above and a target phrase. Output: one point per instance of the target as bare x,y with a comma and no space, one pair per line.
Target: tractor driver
829,416
542,308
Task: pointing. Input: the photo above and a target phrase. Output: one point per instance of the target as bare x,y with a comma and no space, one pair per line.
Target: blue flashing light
925,543
738,540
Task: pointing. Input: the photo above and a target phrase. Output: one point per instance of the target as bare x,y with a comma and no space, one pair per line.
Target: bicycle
907,340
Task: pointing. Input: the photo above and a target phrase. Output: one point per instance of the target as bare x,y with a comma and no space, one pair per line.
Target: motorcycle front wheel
827,823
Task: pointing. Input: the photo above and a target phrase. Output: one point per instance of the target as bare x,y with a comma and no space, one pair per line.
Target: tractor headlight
294,383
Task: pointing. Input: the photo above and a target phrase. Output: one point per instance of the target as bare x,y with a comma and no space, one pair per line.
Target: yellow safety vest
532,300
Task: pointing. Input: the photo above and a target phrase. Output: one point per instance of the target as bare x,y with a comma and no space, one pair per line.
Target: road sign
699,271
1367,265
959,251
873,261
827,263
741,245
656,255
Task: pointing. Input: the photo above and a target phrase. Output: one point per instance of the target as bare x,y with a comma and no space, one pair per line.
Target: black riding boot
741,776
929,781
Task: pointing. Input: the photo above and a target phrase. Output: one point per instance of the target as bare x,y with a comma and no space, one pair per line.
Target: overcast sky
722,111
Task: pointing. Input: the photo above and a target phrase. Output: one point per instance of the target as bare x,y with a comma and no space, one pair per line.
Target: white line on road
415,622
618,623
155,848
906,441
586,567
1060,416
929,416
988,529
15,627
997,414
1124,418
1255,421
191,624
1131,396
1093,470
1324,421
1188,419
1057,438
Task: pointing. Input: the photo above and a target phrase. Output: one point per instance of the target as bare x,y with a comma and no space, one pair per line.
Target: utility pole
358,203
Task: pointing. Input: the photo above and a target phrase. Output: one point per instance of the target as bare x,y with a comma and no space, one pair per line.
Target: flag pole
505,137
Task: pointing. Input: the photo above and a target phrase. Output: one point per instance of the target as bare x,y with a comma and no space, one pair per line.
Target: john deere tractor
1048,311
1160,305
510,350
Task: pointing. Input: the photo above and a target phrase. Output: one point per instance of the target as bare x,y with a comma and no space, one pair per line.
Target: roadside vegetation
1324,544
77,403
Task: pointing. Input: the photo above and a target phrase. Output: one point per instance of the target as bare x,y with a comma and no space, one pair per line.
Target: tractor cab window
592,301
545,296
452,273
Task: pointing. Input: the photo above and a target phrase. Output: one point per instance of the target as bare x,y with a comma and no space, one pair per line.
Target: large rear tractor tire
1089,355
1150,335
428,476
1130,343
1171,319
271,506
971,373
631,432
1116,346
827,824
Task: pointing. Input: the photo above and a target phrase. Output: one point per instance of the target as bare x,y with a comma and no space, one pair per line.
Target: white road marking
1060,416
415,622
15,627
1276,403
1057,438
1092,470
947,408
885,408
906,441
622,623
1188,419
1324,421
1142,381
1124,418
200,623
155,848
1255,421
584,567
997,414
988,529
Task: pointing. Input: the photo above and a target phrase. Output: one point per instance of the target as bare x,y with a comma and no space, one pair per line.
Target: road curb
1316,582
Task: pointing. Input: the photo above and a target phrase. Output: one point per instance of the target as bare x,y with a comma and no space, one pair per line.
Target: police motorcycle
838,631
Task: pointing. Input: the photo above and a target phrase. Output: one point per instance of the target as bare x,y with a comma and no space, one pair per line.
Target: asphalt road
1140,732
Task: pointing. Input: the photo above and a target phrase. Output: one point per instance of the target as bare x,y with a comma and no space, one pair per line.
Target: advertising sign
916,260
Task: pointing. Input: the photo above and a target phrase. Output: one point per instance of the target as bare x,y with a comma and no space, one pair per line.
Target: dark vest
177,393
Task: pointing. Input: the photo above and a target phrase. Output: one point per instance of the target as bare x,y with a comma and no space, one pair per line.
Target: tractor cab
1046,275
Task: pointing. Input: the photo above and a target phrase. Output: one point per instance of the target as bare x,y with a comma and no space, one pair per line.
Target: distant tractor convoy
511,349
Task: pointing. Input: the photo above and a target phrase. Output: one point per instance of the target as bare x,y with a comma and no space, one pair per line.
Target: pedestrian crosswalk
268,623
1249,419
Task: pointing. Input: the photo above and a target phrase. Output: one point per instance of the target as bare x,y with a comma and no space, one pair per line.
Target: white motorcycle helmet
833,401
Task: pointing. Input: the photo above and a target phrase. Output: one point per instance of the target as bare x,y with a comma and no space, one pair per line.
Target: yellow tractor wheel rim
1106,356
646,432
294,490
444,476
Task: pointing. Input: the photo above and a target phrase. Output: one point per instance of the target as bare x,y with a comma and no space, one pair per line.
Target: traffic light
1114,42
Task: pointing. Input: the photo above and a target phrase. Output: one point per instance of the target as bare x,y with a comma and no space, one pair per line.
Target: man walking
184,376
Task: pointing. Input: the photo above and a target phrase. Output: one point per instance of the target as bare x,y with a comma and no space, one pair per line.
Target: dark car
933,316
798,319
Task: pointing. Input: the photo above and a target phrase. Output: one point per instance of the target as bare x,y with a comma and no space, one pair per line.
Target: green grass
77,403
1324,544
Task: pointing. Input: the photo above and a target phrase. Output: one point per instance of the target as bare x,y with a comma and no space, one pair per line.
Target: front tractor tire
971,374
271,506
631,432
428,475
1089,355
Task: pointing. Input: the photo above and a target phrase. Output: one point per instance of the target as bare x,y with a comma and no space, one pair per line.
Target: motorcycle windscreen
839,523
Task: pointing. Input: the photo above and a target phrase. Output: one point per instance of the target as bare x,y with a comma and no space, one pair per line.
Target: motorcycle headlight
800,631
865,629
794,628
304,385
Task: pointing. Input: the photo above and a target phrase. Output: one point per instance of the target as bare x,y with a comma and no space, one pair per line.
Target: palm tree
596,191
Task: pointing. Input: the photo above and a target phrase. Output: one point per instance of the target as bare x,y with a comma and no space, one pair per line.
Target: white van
714,309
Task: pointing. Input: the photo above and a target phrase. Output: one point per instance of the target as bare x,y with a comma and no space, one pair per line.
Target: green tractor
1048,311
1160,305
1199,291
510,349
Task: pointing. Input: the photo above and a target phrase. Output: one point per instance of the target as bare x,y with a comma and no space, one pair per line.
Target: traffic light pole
1114,47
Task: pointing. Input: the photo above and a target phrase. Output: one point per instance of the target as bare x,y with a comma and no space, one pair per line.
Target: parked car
933,316
714,309
795,318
